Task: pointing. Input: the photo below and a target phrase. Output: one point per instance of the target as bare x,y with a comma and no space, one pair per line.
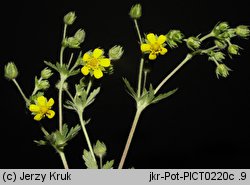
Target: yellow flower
42,108
154,45
94,63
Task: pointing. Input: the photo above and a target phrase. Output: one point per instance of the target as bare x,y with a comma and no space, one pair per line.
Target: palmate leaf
130,89
89,160
163,96
73,132
108,165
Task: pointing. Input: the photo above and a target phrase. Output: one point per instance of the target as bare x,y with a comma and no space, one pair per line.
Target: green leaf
51,65
130,89
108,165
40,142
89,160
73,132
92,96
163,96
74,72
70,105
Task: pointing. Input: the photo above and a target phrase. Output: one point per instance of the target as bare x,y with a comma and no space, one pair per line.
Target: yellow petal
34,108
38,117
41,101
105,62
50,114
50,102
151,38
152,56
163,51
98,73
161,39
97,53
85,70
86,57
145,47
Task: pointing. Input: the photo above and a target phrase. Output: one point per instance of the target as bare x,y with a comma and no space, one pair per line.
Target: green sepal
108,165
33,98
89,160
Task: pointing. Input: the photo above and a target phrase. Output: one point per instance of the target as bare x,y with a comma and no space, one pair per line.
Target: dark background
204,125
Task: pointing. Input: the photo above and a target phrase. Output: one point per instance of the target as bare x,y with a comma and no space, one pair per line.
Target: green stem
101,162
86,135
64,31
140,77
89,85
187,58
36,89
61,55
211,34
70,59
21,92
69,94
138,30
62,80
61,153
130,137
145,79
64,160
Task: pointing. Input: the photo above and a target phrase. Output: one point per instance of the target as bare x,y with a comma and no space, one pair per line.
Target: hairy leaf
89,160
163,96
108,165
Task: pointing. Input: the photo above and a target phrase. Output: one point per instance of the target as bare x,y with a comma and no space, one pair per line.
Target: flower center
44,109
93,63
155,47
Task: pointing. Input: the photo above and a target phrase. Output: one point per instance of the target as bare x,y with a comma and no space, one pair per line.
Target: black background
204,125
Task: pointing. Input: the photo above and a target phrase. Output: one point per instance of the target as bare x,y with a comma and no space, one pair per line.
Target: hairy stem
61,153
130,137
187,58
86,135
64,161
21,92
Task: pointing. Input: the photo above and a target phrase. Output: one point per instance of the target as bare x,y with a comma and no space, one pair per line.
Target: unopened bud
10,71
174,37
43,84
80,35
193,43
116,52
46,73
217,56
220,44
72,42
100,149
222,70
233,49
69,18
135,11
242,31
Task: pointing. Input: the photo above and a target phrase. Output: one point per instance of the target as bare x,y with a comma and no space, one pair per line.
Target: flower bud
80,35
100,149
242,31
193,43
220,28
69,18
135,11
222,70
72,42
223,26
116,52
10,71
43,84
217,56
46,73
233,49
220,44
174,37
